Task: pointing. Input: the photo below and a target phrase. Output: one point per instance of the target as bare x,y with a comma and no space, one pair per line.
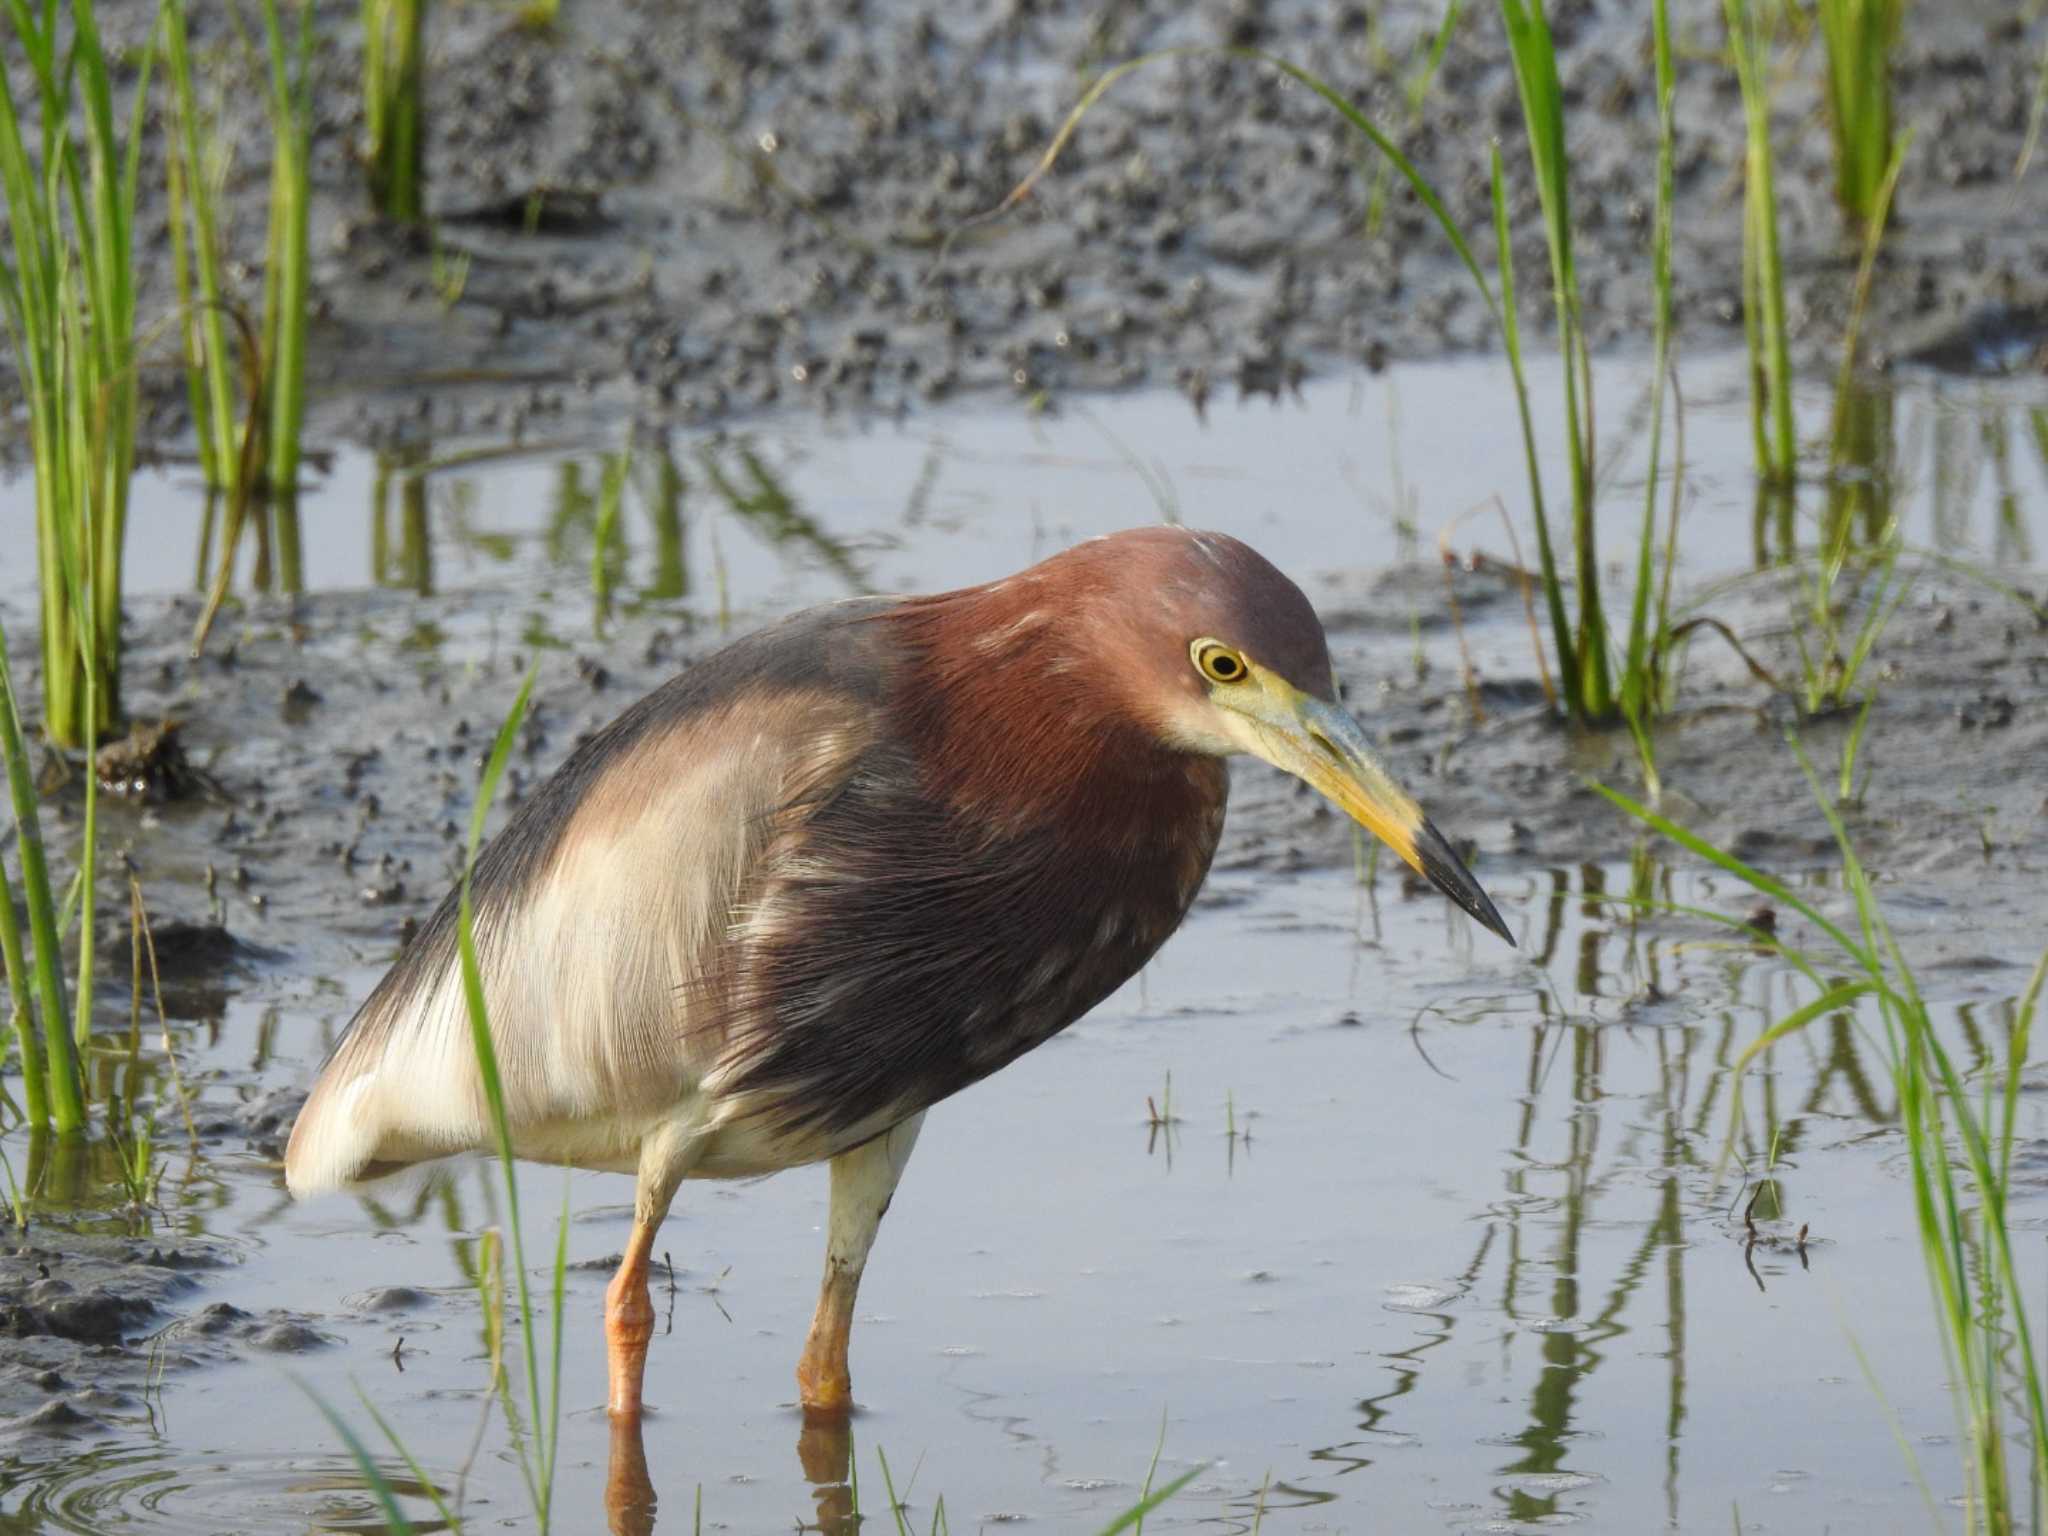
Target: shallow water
1463,1266
1353,473
1433,1239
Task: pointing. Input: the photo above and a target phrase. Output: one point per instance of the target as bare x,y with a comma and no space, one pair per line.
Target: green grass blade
1511,341
1135,1515
1756,879
380,1486
285,282
66,1085
1764,287
21,1004
404,1452
889,1489
1532,51
1642,693
1835,998
208,358
2035,116
539,1484
558,1297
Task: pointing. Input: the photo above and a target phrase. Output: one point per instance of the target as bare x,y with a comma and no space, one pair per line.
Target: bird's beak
1322,745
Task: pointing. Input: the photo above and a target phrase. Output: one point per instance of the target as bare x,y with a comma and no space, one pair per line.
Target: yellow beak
1323,746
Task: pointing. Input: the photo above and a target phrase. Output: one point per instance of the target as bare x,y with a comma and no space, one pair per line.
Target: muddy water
1431,1238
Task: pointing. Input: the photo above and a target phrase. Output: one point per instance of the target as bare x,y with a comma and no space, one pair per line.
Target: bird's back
603,918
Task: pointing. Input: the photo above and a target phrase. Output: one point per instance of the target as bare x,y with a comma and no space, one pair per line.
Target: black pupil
1224,666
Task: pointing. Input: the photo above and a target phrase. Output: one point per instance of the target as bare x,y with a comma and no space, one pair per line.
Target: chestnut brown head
1201,638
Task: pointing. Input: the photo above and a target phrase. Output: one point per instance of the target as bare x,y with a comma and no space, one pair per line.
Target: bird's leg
824,1449
666,1157
862,1182
629,1322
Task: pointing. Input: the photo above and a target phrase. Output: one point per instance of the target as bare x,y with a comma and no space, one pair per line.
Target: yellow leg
629,1323
863,1180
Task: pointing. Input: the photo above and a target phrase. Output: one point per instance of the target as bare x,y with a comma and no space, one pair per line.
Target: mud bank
697,214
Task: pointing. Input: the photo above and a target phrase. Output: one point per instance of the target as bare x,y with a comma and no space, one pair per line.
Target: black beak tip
1490,917
1449,874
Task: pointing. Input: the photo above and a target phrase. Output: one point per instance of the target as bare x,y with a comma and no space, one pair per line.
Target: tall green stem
285,283
211,364
1764,286
66,1087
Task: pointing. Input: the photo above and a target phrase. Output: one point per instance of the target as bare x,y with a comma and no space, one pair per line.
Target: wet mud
697,214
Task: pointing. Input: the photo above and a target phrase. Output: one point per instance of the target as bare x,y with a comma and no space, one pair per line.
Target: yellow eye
1218,662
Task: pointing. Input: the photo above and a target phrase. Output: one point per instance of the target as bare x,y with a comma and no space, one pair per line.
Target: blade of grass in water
1416,91
1134,1517
538,1470
404,1452
2035,116
57,1101
1968,1289
380,1486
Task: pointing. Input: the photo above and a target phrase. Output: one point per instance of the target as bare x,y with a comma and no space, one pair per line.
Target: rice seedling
1750,33
1859,36
195,168
259,461
1858,500
1159,1112
66,289
69,305
394,112
1583,653
52,1082
1646,671
1959,1137
285,278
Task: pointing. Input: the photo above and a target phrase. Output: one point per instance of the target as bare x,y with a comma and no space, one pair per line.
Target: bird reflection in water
824,1449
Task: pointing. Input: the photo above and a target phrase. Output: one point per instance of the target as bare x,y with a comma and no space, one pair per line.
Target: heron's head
1221,654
